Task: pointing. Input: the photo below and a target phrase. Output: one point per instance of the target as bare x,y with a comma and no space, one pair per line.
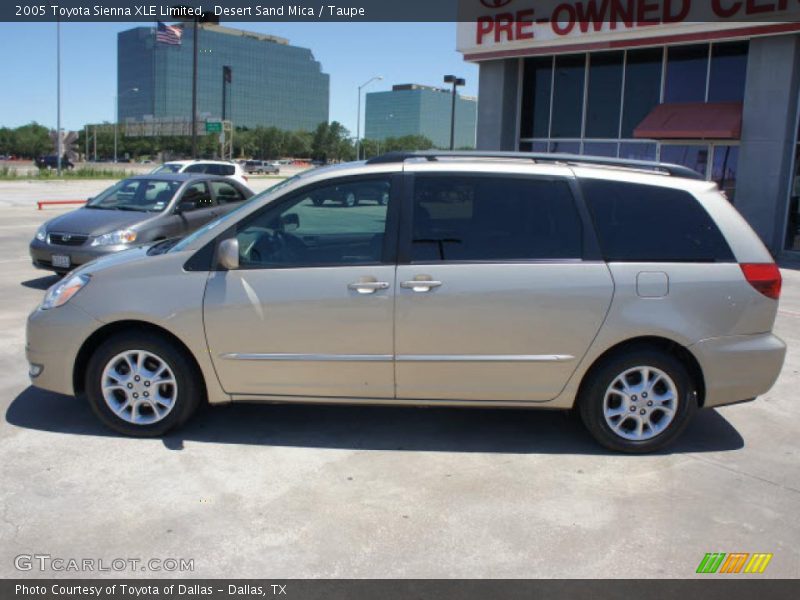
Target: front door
204,209
310,310
497,302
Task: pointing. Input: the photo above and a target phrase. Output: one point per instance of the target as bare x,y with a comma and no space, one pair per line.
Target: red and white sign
490,29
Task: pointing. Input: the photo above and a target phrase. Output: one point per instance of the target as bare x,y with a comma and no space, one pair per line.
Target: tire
318,201
350,200
108,364
604,392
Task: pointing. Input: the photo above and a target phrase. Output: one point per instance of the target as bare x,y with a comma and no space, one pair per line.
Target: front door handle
368,287
420,285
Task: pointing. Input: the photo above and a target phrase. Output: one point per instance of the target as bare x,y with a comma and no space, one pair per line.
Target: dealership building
269,82
413,109
719,96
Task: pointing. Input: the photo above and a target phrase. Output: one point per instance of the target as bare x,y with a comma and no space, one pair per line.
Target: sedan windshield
143,195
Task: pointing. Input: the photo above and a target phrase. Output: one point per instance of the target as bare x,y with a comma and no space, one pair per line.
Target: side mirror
228,254
290,222
186,206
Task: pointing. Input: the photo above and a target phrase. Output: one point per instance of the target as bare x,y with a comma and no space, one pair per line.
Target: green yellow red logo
733,563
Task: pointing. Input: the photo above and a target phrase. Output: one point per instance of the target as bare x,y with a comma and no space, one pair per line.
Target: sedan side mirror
186,206
228,254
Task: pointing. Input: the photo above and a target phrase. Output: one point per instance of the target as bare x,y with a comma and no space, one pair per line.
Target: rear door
205,208
502,290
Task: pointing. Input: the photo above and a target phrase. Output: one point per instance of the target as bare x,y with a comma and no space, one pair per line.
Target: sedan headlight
41,233
62,292
115,238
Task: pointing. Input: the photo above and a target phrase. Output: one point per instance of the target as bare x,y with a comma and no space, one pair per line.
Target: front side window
477,218
335,225
644,223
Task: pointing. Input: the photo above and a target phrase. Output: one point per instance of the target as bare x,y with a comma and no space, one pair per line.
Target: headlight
62,292
115,238
41,233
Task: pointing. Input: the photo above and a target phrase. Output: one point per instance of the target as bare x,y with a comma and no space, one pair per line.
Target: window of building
641,223
605,93
565,147
687,70
692,156
637,151
570,73
728,72
642,87
600,149
726,164
476,218
537,87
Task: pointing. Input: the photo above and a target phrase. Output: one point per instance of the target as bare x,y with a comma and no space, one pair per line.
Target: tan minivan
632,291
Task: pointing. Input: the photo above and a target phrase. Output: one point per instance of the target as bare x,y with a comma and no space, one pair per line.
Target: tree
32,140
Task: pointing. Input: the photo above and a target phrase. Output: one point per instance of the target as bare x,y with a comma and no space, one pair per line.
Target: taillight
764,277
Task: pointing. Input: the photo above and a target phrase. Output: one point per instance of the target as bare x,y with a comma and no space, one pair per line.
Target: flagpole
194,88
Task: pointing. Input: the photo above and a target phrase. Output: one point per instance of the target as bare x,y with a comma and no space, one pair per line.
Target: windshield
168,168
143,195
231,216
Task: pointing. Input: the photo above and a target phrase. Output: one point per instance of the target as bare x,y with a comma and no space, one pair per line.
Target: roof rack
538,157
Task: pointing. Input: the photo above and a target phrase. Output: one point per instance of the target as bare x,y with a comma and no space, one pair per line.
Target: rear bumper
737,368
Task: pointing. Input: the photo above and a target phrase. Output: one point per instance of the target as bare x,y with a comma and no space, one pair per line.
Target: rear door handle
368,287
420,285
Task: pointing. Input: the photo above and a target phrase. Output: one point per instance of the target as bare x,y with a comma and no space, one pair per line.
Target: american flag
169,34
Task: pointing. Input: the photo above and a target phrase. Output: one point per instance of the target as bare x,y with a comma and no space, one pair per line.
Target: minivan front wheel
142,385
638,402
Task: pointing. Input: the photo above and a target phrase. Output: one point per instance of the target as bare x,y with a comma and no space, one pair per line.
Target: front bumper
42,254
54,338
740,367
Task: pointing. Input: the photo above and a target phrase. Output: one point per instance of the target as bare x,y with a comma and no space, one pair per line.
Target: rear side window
220,169
226,193
477,218
644,223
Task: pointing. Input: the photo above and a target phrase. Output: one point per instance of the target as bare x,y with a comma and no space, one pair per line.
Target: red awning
692,121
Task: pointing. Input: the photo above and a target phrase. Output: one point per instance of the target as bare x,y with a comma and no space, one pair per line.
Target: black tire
593,392
350,199
190,390
318,201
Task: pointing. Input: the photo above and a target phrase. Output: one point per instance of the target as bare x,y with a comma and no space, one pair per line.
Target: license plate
60,261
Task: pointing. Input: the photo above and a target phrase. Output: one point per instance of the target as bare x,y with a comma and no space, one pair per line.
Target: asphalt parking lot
305,491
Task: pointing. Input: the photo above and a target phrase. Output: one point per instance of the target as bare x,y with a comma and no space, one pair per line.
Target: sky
350,52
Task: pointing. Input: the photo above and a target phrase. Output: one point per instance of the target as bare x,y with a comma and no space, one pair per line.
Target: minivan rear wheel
142,385
639,401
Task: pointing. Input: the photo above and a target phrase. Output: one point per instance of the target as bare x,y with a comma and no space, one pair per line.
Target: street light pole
358,115
116,116
456,81
195,29
58,98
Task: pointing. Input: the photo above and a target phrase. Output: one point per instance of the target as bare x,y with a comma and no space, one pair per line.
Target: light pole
58,98
116,116
456,81
358,115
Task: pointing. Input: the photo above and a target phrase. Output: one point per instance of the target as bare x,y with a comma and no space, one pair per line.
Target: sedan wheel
350,200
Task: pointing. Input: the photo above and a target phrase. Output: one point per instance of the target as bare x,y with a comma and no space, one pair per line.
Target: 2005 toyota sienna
633,292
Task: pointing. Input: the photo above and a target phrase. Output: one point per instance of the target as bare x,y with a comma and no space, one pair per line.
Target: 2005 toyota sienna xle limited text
632,291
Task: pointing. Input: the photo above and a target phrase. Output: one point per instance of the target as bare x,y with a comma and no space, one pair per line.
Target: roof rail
537,157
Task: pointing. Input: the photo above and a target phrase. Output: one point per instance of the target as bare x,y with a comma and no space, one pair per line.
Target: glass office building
412,109
719,98
272,83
